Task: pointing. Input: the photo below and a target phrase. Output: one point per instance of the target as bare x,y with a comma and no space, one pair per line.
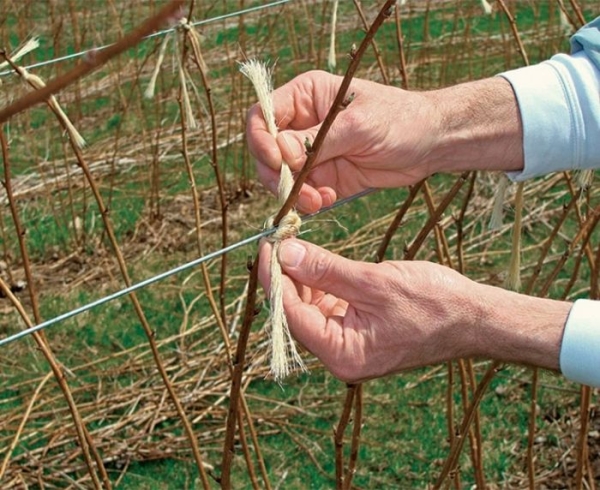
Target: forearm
479,127
520,329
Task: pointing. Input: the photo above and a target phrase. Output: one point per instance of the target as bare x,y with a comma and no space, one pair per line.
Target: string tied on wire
185,26
284,355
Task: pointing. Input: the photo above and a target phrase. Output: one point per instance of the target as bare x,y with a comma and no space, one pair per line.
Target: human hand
381,140
366,320
387,137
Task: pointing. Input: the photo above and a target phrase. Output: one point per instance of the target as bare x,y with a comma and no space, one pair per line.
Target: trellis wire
170,272
217,18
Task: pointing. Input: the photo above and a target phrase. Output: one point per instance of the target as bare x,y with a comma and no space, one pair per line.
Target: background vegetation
531,429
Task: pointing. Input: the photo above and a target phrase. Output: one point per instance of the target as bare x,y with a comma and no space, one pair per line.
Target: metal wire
237,13
171,272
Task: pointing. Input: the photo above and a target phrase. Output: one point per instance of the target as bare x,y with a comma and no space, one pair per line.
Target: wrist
478,127
520,329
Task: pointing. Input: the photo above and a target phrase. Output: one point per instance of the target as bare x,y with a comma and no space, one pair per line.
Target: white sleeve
559,103
580,348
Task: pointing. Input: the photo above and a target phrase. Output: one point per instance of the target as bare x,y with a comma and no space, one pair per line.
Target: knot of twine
288,227
284,355
185,26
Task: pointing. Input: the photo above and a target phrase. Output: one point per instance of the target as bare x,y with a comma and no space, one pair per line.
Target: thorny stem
412,250
338,105
584,234
215,309
515,31
236,381
358,406
214,162
532,427
85,439
459,224
338,436
582,446
247,457
547,244
104,213
93,61
452,459
400,41
361,14
397,221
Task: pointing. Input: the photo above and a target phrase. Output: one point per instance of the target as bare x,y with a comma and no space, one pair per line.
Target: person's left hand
365,320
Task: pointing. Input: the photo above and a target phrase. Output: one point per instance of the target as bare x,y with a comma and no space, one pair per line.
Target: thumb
292,145
318,268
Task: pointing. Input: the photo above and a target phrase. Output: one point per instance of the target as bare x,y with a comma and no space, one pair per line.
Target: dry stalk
476,453
401,51
533,403
397,221
441,243
452,459
450,413
513,278
384,76
19,431
338,435
459,224
194,41
580,219
104,213
578,12
415,246
584,234
85,440
238,370
169,12
243,406
354,445
547,244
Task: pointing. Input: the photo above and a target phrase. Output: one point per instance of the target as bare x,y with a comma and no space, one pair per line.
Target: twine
487,8
331,59
284,355
29,46
194,37
498,208
37,83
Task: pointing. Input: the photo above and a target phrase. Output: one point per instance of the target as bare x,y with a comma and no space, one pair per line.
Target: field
168,387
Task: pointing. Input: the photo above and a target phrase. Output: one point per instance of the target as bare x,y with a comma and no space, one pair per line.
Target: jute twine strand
284,355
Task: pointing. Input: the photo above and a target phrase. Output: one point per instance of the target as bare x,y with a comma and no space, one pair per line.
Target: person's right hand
365,320
381,139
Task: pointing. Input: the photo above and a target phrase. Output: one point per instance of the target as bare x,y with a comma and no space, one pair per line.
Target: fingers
300,106
310,265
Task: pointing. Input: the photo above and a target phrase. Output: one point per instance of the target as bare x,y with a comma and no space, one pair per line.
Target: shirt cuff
559,107
580,349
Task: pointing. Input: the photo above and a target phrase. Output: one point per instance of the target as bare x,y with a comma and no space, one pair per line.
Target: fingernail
273,186
291,253
293,146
